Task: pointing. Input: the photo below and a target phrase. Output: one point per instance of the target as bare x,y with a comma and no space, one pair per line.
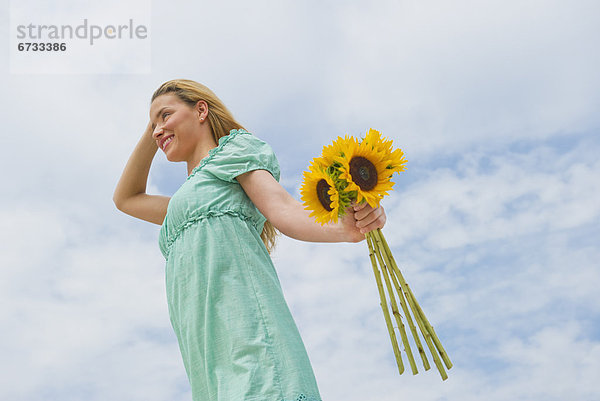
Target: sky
495,224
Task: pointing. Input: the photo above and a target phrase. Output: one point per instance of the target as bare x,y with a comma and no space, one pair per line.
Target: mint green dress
235,331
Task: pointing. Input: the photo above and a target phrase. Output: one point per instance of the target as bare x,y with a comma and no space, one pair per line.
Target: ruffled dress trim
211,153
193,220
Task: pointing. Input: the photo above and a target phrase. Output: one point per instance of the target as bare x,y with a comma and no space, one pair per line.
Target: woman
235,332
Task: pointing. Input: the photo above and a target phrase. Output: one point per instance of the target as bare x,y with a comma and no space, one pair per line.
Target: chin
172,157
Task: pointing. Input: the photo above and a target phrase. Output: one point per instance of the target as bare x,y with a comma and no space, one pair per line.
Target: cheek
170,124
178,122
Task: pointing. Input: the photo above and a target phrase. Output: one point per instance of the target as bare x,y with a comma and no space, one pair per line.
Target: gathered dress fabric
235,331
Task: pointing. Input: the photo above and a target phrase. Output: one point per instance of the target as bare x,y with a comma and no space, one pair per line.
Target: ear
201,109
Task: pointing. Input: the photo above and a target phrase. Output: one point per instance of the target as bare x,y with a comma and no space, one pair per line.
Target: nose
158,131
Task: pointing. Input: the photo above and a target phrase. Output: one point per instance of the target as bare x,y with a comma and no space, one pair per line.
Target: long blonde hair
220,120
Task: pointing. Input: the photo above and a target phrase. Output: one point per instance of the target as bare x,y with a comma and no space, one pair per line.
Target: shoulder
242,143
237,137
240,152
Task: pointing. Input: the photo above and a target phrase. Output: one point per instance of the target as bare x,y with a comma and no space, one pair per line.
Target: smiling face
177,127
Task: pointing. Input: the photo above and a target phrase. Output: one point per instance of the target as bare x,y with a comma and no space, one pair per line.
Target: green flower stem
383,303
419,320
434,336
396,313
426,328
428,339
403,304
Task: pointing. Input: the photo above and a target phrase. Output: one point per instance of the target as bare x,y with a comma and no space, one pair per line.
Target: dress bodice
212,190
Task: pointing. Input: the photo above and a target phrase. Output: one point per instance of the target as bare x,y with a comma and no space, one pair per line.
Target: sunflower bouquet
351,171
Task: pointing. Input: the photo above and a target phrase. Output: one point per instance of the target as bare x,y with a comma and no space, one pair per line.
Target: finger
371,217
359,206
379,222
373,226
365,210
350,211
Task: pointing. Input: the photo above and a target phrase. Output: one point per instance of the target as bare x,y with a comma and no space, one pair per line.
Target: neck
200,153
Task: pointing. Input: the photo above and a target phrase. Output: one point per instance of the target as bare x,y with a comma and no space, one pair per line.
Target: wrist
338,233
148,143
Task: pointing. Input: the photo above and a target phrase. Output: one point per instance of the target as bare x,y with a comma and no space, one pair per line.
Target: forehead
162,101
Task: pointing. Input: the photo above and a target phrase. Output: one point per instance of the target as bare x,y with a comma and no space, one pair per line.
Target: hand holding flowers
360,219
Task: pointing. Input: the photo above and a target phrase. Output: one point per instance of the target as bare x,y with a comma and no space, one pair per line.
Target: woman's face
176,127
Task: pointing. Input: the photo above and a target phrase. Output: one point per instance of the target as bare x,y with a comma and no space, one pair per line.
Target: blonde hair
220,120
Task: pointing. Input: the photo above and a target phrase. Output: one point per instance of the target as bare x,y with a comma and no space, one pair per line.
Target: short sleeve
241,152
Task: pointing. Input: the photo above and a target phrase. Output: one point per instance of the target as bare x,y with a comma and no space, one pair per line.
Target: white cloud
87,316
522,193
441,75
556,363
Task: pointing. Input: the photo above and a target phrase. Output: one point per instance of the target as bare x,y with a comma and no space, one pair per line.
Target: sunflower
395,158
319,193
336,149
374,139
365,169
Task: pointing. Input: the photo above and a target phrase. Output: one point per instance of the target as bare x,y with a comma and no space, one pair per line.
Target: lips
165,141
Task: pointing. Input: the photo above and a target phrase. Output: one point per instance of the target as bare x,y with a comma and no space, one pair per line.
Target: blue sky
495,223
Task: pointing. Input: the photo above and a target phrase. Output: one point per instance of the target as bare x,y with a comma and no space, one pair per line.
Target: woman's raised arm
130,195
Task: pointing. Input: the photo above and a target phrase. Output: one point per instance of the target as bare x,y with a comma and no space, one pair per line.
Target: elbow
118,204
118,201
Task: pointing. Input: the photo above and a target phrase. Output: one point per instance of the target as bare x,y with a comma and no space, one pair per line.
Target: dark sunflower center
363,172
323,194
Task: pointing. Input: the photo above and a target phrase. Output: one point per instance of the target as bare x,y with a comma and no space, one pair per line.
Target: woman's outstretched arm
289,216
130,195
